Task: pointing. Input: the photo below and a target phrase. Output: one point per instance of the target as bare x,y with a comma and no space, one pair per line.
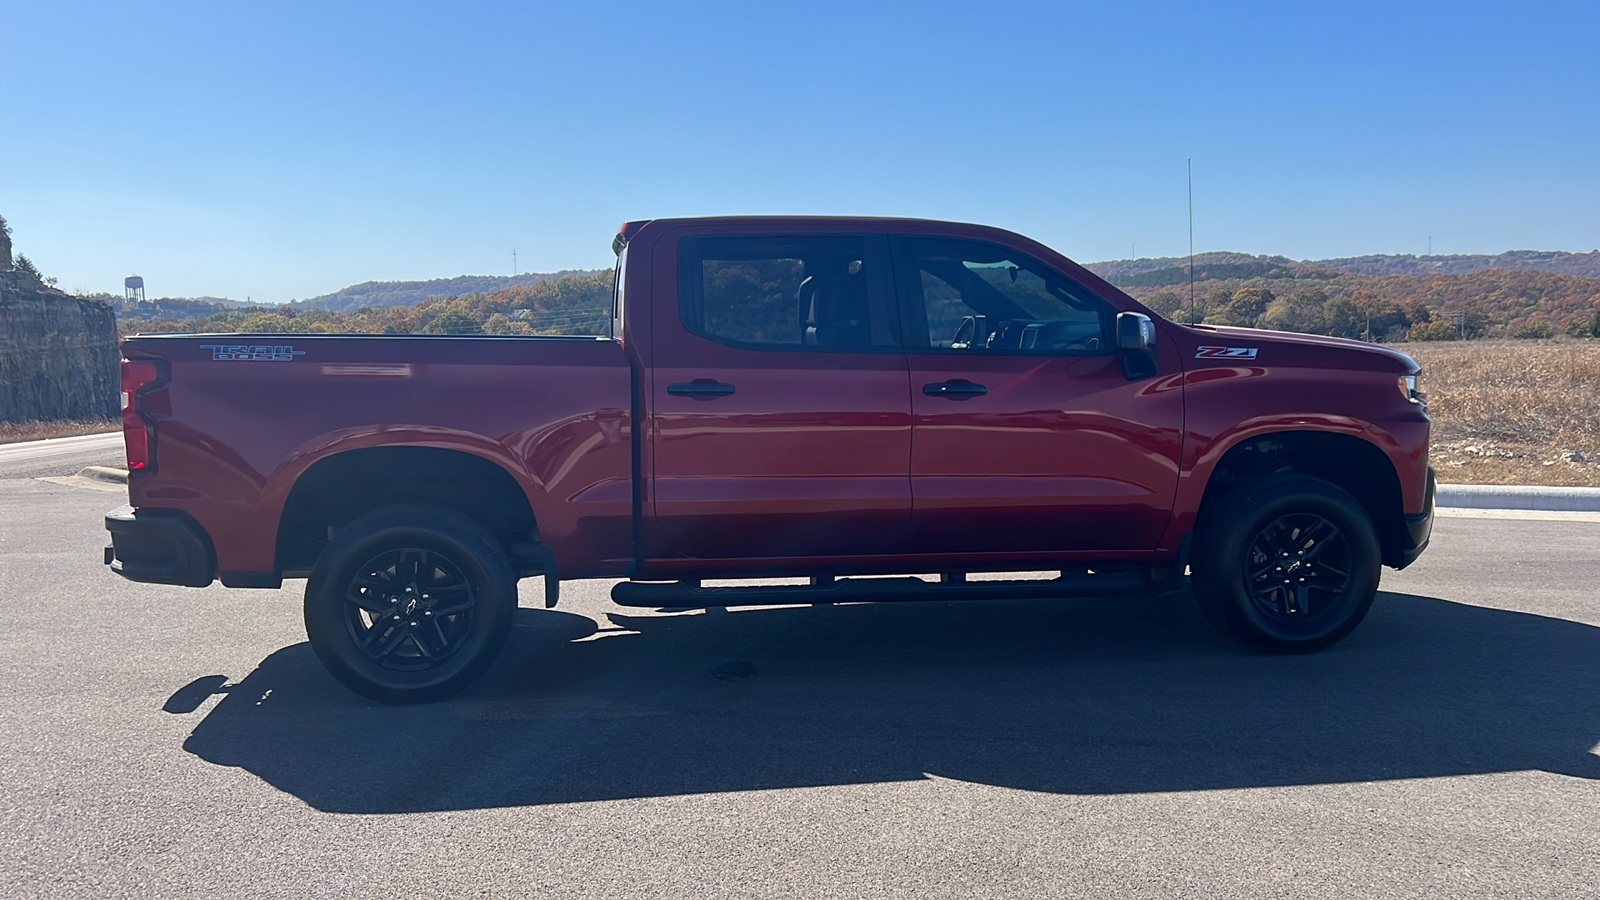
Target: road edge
1517,496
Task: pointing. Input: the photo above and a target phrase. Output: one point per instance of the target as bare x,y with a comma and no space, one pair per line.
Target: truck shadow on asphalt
1084,697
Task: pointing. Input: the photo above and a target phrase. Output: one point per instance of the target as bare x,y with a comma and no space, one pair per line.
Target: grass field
12,432
1504,412
1513,412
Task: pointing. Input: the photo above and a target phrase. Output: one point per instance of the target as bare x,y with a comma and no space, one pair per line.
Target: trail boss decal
1225,353
252,352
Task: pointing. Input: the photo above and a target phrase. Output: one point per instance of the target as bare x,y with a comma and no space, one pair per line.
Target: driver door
1027,435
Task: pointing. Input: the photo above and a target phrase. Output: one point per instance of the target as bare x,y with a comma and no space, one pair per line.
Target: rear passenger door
1027,434
780,410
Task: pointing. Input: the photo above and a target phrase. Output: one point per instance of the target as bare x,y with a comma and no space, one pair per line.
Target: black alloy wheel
409,609
1300,567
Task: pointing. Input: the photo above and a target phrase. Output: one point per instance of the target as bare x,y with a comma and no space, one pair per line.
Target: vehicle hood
1369,353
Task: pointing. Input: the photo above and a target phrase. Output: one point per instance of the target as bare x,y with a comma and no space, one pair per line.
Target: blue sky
285,150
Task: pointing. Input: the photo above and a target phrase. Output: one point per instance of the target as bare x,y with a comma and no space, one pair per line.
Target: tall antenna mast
514,269
1192,319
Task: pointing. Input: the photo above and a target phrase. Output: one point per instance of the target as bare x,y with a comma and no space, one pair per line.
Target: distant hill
1121,271
1556,262
1523,293
411,293
1171,270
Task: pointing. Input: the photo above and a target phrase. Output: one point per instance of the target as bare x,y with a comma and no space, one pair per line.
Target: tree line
1521,303
574,304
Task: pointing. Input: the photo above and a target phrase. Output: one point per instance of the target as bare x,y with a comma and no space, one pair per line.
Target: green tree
1594,326
1532,330
1165,304
1244,308
1211,304
1341,318
1469,319
26,267
1436,330
453,323
500,323
1300,311
271,323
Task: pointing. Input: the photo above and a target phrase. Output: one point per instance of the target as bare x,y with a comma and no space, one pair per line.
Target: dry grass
1513,412
12,432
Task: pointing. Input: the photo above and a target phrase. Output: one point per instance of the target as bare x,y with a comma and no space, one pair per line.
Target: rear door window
778,292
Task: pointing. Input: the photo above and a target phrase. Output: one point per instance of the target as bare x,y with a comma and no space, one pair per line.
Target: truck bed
241,418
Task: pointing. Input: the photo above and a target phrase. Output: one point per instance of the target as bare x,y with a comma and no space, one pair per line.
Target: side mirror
1136,340
1136,332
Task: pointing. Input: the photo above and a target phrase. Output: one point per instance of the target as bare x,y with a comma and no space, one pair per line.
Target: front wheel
411,603
1286,564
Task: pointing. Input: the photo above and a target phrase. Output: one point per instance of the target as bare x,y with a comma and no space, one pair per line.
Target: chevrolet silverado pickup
810,399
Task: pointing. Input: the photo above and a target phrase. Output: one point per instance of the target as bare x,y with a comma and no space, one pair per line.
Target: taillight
625,234
137,374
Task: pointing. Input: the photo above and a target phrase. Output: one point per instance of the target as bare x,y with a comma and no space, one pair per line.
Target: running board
690,595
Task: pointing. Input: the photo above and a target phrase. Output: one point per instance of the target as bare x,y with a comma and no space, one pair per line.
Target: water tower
133,289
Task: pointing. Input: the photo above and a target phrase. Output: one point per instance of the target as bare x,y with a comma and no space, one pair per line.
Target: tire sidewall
452,535
1220,564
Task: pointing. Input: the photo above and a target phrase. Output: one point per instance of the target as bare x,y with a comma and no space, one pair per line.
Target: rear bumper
159,546
1419,528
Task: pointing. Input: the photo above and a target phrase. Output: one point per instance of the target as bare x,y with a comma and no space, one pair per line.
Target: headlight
1411,388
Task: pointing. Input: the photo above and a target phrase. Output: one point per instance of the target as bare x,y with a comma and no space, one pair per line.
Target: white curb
1517,496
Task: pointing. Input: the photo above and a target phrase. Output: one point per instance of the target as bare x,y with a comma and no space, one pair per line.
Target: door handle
954,390
700,389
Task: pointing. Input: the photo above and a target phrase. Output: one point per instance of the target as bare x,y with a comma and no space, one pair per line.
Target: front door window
986,299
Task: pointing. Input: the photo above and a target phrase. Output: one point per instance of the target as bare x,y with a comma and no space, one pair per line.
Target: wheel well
1356,466
337,490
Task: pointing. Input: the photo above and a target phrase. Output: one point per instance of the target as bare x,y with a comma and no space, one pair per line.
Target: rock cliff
58,353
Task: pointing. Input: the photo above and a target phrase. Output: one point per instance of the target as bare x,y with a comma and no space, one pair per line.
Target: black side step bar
690,595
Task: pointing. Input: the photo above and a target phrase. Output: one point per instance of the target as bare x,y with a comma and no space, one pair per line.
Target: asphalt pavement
176,742
61,456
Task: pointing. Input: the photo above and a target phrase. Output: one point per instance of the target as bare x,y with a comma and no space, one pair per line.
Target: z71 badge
252,352
1225,353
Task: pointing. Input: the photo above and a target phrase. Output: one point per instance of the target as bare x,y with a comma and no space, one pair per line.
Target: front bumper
159,546
1419,528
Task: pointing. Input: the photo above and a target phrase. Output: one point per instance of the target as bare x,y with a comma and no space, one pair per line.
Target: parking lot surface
174,742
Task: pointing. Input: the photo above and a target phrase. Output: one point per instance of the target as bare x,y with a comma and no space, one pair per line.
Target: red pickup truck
810,398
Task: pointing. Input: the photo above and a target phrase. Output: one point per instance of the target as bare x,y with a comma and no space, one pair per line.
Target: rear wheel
411,603
1286,564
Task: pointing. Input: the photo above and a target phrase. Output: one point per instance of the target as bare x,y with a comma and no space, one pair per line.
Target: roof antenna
1192,320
